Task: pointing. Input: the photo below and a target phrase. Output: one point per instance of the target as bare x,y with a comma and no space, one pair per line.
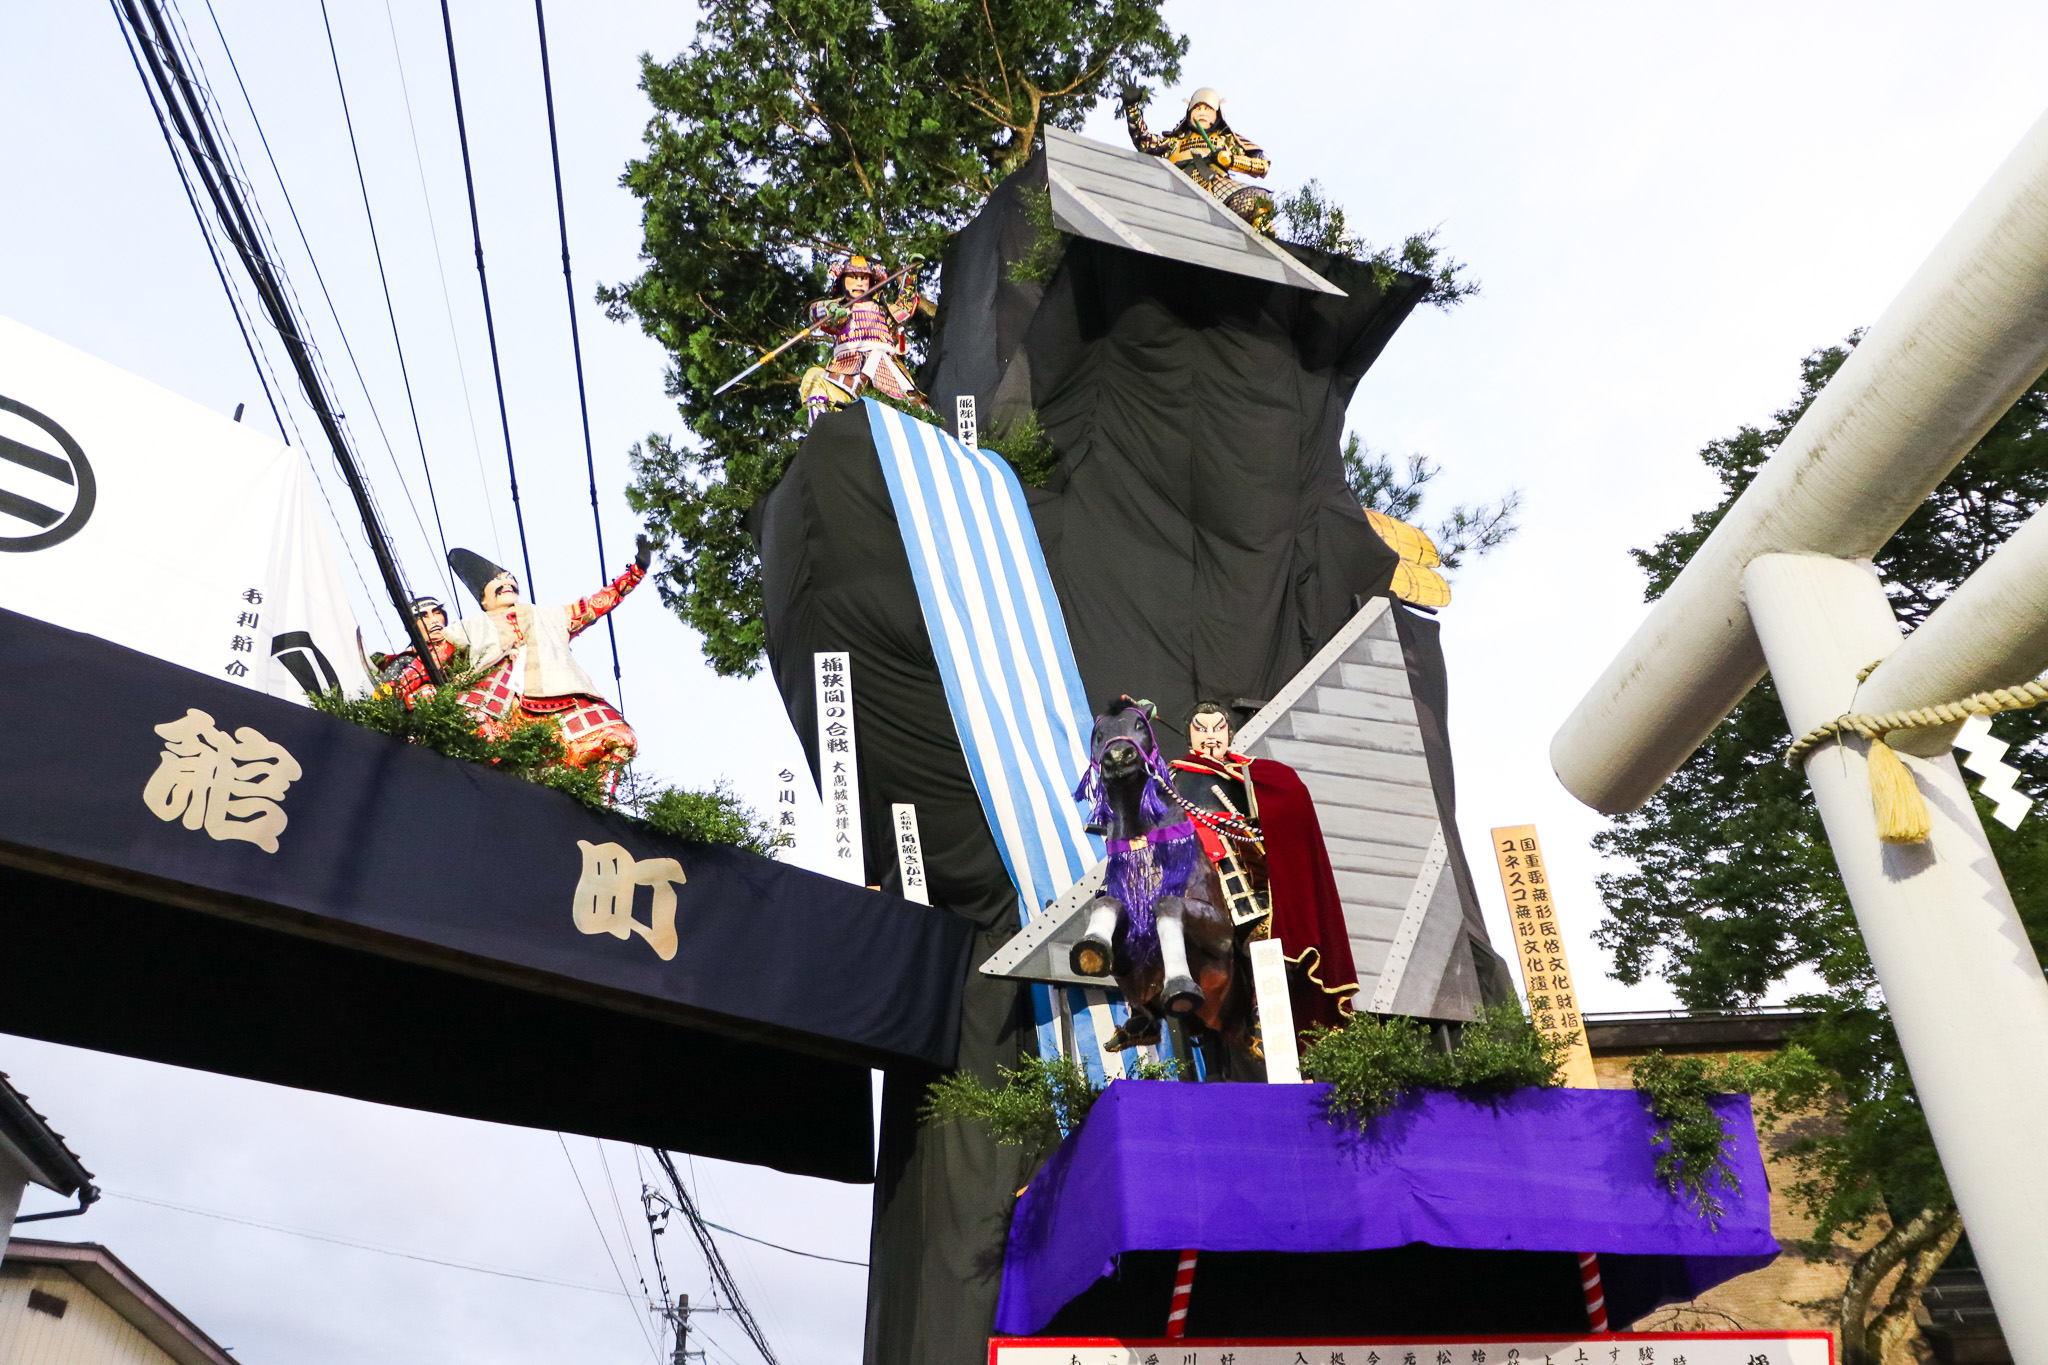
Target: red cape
1308,916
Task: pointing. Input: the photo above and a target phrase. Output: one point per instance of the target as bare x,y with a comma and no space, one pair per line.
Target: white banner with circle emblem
135,515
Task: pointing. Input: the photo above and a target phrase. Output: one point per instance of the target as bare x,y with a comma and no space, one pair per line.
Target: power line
607,1243
205,230
476,233
288,424
265,377
763,1241
188,107
611,1187
476,448
721,1276
377,250
258,359
547,86
320,277
364,1246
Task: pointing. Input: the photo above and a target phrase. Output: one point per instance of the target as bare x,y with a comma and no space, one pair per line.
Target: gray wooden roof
1123,197
1347,724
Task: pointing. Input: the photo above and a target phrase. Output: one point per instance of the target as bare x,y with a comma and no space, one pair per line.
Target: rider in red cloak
1232,789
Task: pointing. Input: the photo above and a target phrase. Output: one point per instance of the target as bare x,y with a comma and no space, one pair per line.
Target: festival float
1144,822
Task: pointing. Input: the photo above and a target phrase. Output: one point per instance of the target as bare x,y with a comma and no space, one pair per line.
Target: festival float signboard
1615,1348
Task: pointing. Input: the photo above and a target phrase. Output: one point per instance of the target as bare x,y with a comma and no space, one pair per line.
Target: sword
765,359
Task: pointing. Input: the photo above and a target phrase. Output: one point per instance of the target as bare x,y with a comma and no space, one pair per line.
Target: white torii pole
1779,584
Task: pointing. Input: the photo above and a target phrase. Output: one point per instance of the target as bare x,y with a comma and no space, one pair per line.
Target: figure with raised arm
528,671
1212,154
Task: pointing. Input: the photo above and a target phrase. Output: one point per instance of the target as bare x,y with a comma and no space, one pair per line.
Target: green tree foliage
1314,219
1467,531
786,133
1726,884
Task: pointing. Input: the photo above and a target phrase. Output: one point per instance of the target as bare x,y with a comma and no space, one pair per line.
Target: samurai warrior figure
1258,824
528,671
868,340
1204,146
403,673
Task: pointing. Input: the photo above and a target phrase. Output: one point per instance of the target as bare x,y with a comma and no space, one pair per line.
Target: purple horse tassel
1156,925
1144,869
1159,862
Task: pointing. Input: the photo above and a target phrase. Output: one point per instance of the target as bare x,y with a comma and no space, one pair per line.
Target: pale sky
1667,209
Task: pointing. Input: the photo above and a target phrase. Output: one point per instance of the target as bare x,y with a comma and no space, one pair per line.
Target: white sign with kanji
909,853
839,768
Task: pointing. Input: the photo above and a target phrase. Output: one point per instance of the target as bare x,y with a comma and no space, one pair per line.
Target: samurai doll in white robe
529,673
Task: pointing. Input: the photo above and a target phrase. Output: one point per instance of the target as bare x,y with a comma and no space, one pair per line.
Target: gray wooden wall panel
1349,822
1356,733
1372,764
1391,798
1347,724
1155,208
1360,855
1392,682
1337,701
1372,889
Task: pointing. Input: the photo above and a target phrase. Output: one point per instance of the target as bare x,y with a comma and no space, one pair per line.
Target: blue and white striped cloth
1008,666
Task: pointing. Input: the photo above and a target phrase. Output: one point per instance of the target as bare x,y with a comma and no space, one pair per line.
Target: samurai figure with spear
868,340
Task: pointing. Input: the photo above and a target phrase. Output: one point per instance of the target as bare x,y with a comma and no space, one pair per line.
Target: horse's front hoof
1182,995
1090,957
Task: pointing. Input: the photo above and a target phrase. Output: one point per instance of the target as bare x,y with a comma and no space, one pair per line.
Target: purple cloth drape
1163,1165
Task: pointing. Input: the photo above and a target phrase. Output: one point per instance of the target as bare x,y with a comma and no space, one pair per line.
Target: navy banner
179,790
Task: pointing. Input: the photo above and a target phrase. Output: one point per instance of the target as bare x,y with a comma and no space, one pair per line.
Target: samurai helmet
1206,95
835,274
476,572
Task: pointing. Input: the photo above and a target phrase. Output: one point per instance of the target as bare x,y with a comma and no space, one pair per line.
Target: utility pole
679,1317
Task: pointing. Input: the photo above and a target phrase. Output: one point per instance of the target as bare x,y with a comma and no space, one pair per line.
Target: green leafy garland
534,753
1036,1104
1692,1151
1048,244
1369,1065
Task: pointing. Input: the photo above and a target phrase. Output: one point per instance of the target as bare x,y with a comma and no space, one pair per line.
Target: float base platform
1445,1215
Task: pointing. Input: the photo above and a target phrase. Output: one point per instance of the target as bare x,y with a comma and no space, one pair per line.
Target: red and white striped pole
1183,1288
1596,1298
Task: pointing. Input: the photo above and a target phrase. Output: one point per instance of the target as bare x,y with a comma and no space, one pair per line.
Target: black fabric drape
1198,529
835,577
1201,540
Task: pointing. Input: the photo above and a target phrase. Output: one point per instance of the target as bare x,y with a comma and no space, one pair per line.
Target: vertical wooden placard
1539,947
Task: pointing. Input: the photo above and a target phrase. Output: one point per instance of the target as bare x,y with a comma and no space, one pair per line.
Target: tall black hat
476,572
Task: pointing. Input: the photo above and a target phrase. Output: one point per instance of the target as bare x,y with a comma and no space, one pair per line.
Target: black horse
1159,926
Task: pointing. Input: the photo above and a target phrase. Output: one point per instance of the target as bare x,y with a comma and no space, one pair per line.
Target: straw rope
1920,717
1901,810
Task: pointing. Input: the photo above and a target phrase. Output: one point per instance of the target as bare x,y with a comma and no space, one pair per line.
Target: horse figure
1159,926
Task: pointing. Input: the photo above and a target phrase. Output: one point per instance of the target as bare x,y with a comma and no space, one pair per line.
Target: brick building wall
1791,1292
